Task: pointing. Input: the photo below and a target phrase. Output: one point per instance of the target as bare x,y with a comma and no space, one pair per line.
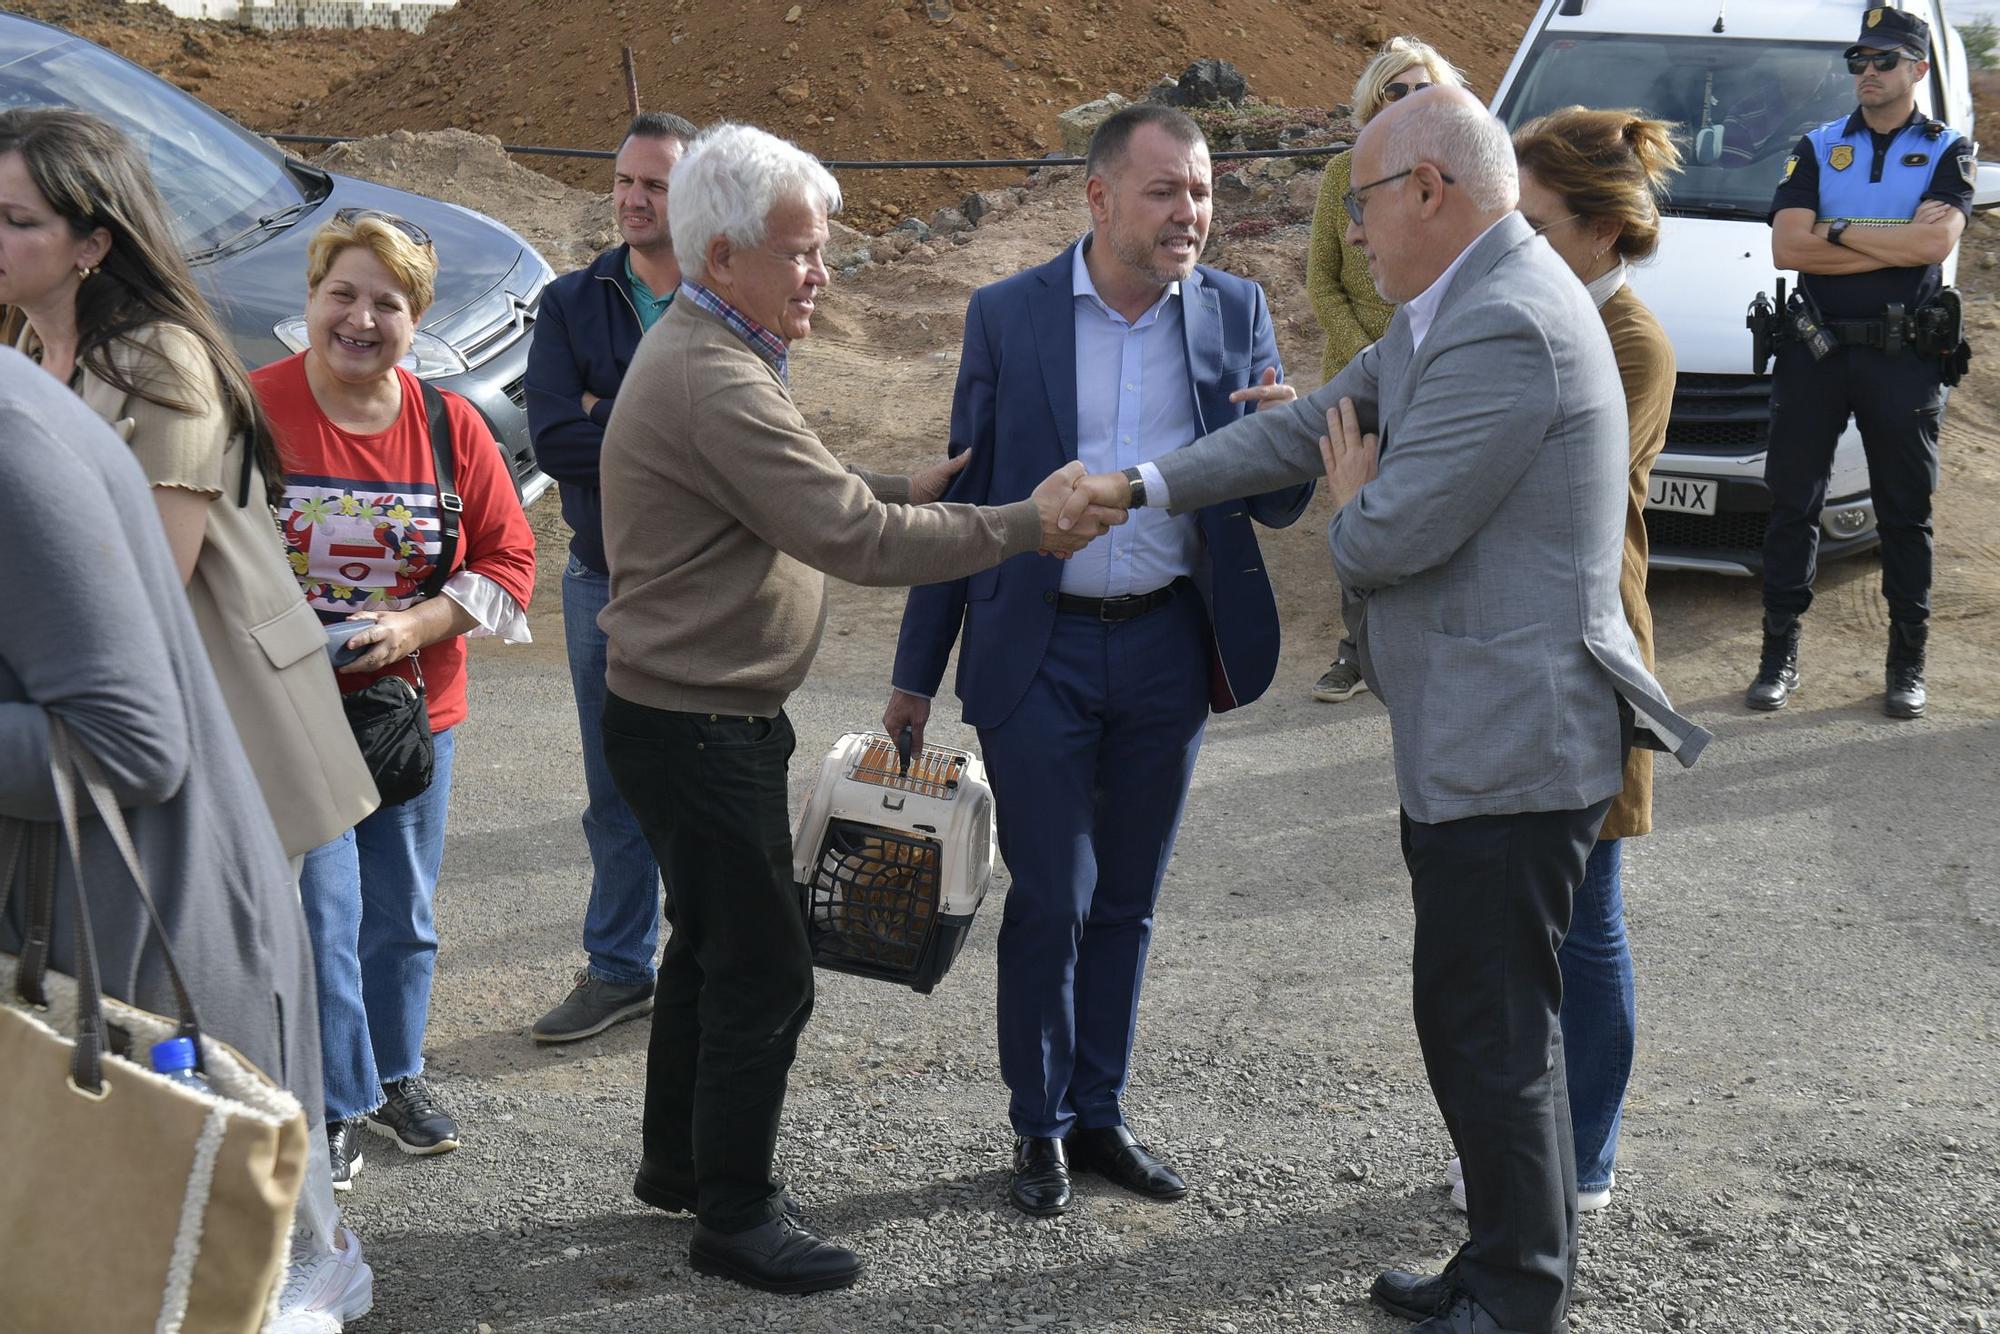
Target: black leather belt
1126,608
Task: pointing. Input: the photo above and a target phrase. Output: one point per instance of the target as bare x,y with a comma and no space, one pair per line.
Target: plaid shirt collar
761,340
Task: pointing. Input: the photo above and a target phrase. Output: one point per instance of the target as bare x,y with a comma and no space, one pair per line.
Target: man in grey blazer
1479,562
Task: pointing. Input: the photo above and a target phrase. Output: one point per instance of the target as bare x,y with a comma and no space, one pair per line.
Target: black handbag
391,722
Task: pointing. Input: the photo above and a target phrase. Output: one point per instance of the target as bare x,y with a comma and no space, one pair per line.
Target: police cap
1886,29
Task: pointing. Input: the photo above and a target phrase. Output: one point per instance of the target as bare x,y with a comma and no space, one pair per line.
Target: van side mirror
1986,191
1708,146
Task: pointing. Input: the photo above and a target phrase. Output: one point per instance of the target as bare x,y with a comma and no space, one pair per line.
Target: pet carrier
893,854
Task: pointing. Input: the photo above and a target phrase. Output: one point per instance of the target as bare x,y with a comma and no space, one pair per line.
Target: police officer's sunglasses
1883,61
349,216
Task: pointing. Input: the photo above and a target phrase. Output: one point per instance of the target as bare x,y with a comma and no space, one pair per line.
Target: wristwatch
1138,483
1837,229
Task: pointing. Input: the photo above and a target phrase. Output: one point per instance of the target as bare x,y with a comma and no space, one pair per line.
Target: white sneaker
323,1292
1587,1201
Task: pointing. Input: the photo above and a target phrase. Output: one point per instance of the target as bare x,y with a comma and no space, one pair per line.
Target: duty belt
1887,334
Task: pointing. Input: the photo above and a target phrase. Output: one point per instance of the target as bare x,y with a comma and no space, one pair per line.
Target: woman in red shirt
360,519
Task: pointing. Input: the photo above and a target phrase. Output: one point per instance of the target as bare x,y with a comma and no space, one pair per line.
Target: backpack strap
449,504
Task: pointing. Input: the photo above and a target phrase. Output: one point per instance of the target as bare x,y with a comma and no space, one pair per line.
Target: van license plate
1688,495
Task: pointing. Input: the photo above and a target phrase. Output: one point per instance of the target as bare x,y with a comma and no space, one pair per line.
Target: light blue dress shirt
1133,403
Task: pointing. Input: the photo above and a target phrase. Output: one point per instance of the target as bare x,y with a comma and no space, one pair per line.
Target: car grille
1732,534
517,393
1720,414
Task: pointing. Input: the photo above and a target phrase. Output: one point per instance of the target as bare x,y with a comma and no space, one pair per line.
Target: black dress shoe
1041,1177
778,1256
1463,1316
1415,1296
1113,1152
663,1190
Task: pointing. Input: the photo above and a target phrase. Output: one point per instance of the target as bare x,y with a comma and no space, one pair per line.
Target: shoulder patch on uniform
1841,158
1791,165
1968,168
1915,159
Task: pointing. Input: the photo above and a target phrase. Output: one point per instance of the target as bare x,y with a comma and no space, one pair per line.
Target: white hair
1460,138
727,183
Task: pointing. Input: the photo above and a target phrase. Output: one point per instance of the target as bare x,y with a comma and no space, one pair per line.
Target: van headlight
429,357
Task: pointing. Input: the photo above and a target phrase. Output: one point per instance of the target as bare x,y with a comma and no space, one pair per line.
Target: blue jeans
1599,1014
367,896
621,927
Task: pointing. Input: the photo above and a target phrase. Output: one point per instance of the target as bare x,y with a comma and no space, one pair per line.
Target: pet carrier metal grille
874,899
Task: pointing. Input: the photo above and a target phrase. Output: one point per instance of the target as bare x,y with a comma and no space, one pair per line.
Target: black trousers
736,979
1898,402
1493,898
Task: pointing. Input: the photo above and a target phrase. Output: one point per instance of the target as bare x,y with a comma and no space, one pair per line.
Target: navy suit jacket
585,335
1015,409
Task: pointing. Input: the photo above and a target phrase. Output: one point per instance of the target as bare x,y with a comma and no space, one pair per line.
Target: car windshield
216,179
1740,105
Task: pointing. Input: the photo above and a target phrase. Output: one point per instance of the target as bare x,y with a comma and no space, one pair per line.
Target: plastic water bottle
174,1058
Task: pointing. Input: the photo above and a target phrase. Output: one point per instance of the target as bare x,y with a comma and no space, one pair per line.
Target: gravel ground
1810,1142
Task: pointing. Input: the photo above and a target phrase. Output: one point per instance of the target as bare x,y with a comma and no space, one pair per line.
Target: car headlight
429,357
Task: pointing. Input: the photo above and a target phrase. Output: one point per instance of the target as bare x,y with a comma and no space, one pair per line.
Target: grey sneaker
1342,681
592,1006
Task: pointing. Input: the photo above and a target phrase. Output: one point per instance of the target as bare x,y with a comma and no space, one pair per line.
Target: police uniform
1844,170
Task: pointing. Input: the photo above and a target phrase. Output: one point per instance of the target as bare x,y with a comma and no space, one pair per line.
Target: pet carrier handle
906,741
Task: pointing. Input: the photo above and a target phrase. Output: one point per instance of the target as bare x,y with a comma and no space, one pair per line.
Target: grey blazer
1481,565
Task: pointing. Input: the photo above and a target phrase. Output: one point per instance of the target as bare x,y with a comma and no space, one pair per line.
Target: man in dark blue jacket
589,326
1091,680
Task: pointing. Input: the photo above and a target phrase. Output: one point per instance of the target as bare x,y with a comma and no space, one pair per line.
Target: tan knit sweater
721,510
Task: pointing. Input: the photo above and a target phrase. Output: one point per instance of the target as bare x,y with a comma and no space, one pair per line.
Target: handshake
1077,506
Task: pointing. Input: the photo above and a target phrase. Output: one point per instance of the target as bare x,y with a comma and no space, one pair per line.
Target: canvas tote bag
127,1202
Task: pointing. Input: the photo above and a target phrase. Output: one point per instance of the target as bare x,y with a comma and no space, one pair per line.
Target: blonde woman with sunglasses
1351,313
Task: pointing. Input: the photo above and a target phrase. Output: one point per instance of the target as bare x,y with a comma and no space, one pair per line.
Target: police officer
1868,209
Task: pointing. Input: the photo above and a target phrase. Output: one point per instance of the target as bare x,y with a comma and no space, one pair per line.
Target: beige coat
1646,368
264,642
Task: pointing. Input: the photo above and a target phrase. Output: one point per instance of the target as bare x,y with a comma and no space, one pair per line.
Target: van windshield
1740,104
216,179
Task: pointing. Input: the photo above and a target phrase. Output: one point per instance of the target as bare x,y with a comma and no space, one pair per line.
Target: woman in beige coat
87,258
1590,182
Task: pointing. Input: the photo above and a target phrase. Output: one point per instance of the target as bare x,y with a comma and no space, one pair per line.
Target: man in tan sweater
723,514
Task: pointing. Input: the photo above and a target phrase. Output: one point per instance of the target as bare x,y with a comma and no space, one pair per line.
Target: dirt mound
864,79
257,78
567,225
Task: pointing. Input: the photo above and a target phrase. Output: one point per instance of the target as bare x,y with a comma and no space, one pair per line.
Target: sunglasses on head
349,216
1396,92
1883,61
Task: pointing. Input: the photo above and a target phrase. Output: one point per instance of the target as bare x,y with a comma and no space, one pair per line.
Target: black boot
1778,669
1903,683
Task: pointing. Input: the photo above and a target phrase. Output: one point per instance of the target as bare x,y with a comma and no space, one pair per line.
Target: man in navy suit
1090,680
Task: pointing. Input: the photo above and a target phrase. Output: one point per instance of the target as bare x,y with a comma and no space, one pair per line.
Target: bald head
1432,171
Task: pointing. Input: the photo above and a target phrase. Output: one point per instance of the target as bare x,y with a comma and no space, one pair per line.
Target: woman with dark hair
87,257
1590,184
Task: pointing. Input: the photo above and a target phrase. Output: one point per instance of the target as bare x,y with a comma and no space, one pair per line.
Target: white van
1744,79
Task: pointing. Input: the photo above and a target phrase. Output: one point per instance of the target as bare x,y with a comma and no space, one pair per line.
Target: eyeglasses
1556,222
348,216
1396,92
1883,61
1352,199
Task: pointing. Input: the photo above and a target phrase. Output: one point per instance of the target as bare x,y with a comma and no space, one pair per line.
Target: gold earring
84,271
